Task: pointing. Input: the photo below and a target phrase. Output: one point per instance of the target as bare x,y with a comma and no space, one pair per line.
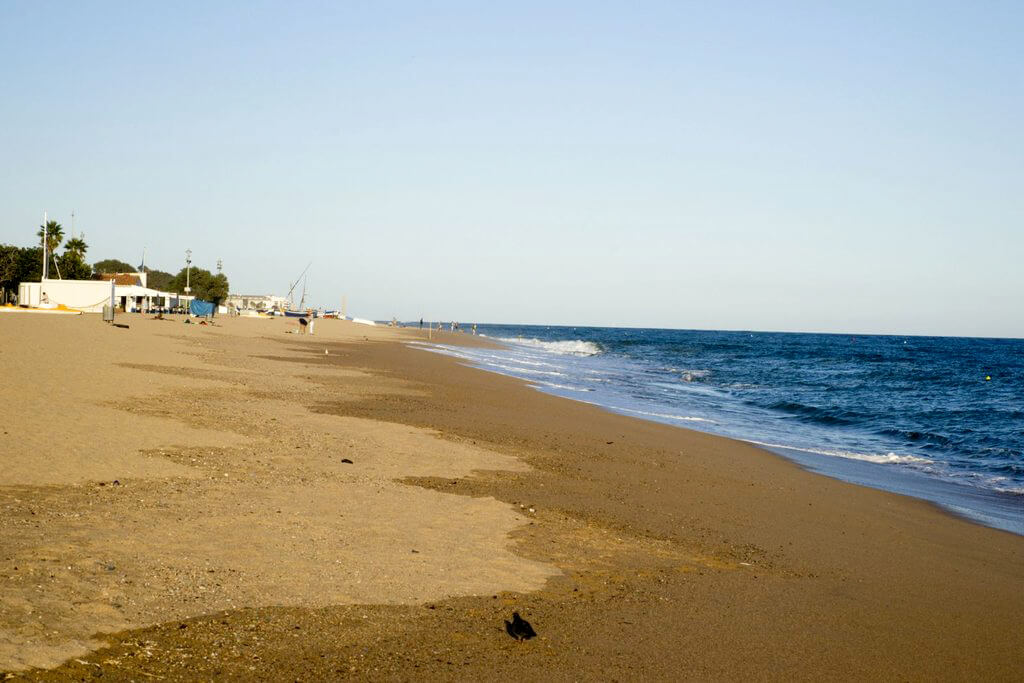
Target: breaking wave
576,347
886,459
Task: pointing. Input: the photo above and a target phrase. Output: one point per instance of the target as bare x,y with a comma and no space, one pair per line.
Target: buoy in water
988,378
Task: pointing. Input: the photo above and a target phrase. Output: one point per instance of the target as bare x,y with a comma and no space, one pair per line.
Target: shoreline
669,553
833,457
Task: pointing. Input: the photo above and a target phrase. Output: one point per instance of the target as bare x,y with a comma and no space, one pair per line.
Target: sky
837,167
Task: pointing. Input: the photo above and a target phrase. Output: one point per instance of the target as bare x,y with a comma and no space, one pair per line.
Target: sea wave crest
882,459
573,347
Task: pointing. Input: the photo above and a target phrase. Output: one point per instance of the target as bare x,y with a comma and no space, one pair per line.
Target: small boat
301,311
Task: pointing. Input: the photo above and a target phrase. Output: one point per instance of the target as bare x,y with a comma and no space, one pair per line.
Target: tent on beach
201,308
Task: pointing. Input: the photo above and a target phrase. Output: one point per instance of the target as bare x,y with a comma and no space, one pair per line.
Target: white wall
28,293
85,295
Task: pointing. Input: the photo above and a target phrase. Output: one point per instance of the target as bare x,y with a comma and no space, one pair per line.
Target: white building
264,303
130,294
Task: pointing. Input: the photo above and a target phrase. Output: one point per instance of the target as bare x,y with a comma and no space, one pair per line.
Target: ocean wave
575,347
820,415
886,459
916,436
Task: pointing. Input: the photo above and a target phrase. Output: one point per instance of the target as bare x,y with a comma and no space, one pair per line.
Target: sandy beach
187,502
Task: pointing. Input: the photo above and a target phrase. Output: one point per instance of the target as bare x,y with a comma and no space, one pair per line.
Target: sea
937,418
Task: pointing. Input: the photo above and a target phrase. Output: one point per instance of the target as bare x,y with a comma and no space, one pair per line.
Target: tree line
25,264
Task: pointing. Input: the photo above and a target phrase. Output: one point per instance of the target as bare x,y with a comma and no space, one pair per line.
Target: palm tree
76,246
54,235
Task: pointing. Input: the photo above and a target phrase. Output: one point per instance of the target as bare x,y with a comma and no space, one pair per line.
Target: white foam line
888,459
565,386
682,418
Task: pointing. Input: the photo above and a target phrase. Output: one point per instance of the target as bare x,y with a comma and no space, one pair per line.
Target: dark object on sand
519,628
122,326
346,460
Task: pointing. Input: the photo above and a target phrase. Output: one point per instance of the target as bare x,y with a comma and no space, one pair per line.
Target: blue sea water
939,418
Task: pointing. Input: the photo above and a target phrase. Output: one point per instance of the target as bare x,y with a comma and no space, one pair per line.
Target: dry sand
165,471
237,543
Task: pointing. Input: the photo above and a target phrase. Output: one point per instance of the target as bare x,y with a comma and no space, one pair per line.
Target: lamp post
46,237
188,271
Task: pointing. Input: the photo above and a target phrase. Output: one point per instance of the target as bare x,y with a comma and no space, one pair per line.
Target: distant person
302,325
421,323
474,329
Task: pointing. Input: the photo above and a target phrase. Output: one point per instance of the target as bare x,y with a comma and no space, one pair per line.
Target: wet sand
637,550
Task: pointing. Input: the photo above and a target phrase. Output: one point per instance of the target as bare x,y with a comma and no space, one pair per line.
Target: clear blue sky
854,167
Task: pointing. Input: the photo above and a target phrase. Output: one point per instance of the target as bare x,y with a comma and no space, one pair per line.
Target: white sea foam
575,347
523,361
886,459
691,375
552,385
667,416
525,371
997,483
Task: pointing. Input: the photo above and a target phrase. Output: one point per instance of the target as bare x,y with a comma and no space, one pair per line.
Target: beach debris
347,461
519,628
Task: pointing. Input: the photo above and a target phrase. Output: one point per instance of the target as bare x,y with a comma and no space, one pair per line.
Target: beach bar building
90,296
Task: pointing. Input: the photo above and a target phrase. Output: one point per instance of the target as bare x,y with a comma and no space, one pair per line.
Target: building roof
122,278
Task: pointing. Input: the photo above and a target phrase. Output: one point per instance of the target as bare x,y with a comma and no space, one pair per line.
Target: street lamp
188,270
220,266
